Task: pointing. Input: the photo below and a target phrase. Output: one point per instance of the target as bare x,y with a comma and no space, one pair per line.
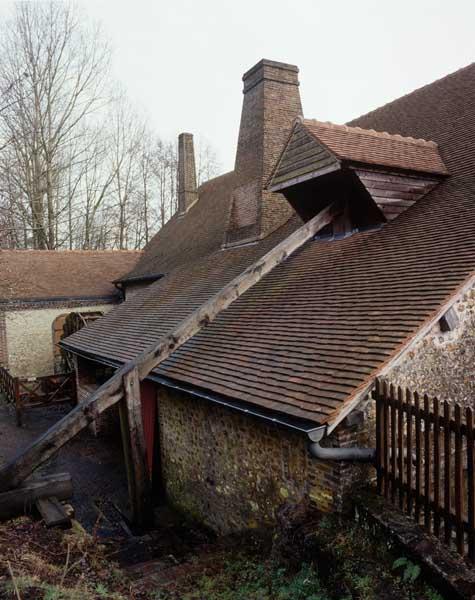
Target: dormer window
376,176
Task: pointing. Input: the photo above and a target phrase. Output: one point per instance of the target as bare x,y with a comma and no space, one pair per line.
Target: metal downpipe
366,455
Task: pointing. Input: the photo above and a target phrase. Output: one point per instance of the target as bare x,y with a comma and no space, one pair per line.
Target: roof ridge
374,133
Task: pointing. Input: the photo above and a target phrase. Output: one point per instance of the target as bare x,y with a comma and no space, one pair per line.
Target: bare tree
53,73
79,167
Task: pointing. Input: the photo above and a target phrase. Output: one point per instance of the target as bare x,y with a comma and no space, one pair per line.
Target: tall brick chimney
187,190
271,103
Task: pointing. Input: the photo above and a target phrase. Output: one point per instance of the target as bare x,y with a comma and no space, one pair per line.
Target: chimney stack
270,105
187,190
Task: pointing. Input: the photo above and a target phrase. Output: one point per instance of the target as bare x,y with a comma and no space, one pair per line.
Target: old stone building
261,404
39,288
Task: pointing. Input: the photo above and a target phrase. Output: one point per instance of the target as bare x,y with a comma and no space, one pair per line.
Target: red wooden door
148,392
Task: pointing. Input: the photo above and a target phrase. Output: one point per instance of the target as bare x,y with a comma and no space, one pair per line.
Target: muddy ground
95,464
100,489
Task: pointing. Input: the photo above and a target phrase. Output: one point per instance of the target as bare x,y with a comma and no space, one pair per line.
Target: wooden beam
208,311
53,512
135,451
112,391
21,500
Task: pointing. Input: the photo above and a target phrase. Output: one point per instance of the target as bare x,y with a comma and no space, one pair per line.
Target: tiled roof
49,274
368,146
192,236
312,332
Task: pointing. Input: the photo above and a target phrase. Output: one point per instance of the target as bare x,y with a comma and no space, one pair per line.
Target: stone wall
29,338
232,471
442,364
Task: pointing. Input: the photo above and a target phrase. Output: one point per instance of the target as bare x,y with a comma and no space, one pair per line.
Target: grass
328,559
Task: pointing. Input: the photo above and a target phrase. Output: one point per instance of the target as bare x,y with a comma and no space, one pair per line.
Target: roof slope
191,236
311,332
49,274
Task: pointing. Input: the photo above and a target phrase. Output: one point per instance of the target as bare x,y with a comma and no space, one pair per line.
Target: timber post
133,440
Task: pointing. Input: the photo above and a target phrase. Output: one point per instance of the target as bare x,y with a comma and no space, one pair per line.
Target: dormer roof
315,148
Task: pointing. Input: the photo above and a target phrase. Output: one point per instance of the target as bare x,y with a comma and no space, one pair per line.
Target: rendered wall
29,338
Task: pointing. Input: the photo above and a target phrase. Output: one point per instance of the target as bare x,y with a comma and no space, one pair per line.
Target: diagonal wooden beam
113,390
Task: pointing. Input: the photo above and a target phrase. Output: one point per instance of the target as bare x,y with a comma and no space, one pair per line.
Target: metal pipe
345,454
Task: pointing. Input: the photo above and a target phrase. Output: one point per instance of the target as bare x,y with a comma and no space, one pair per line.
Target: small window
449,321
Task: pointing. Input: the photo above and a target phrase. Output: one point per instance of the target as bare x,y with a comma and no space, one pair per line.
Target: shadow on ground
95,464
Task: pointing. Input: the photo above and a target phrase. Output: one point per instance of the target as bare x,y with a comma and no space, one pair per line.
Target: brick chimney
187,191
271,103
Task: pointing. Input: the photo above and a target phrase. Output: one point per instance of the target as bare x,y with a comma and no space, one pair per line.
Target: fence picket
470,484
393,442
427,464
417,409
447,461
458,481
385,439
409,451
379,435
400,435
435,408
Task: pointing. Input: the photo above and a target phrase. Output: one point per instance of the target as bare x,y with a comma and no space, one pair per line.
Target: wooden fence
425,462
40,391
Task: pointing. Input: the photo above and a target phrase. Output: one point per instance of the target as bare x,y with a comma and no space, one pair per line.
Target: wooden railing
41,391
425,462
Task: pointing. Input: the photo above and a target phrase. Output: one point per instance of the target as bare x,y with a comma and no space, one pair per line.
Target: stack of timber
44,494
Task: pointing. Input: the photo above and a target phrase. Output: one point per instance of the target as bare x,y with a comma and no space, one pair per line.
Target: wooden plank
313,167
385,438
379,437
137,473
470,484
409,451
393,442
22,499
458,481
417,433
436,461
447,473
400,446
52,512
111,391
427,464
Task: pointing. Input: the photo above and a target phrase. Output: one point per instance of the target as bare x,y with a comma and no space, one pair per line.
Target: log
53,513
20,467
22,500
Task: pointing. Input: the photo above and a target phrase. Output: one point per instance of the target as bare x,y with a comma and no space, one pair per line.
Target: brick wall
233,471
271,103
187,189
443,364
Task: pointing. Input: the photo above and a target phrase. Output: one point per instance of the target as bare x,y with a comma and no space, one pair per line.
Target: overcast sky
182,60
